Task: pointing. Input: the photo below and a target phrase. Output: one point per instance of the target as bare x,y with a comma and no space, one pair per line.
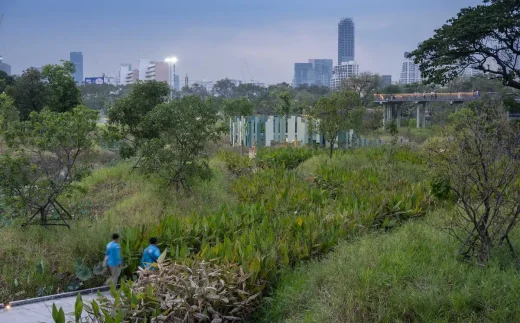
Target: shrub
287,157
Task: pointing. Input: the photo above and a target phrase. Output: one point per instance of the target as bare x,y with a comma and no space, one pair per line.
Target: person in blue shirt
150,254
113,259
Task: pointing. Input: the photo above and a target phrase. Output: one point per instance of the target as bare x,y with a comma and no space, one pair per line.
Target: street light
171,71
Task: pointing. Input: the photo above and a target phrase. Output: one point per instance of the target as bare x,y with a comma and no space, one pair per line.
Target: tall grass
410,275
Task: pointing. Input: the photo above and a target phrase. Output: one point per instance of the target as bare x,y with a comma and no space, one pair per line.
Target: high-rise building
132,77
177,82
303,74
4,66
343,72
124,69
143,68
76,58
386,80
322,71
346,40
156,71
410,72
315,72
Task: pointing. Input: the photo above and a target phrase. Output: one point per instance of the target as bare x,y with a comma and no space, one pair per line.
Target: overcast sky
214,39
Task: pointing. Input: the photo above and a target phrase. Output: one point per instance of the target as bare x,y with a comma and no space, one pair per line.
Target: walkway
41,312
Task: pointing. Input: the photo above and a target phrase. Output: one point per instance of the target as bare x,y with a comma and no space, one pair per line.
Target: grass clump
411,275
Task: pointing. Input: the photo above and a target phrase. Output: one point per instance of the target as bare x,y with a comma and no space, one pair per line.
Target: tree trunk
331,148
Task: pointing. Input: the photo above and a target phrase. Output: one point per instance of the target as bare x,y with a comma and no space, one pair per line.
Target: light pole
171,72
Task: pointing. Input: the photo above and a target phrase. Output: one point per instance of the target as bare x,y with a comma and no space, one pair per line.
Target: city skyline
266,51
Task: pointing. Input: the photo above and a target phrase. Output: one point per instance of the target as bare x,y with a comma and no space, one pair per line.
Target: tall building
386,80
322,71
156,71
76,58
132,77
410,72
343,72
346,40
303,74
4,66
124,69
143,68
177,82
315,72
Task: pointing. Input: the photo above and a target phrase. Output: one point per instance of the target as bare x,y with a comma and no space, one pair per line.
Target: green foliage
28,92
285,107
237,164
183,127
61,92
5,81
410,274
83,272
470,40
238,107
364,85
58,316
8,112
287,157
43,163
333,115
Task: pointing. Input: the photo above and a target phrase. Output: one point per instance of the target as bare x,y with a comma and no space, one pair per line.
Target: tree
285,105
225,89
44,160
332,113
28,93
196,89
5,81
61,92
238,107
126,115
364,85
8,112
477,38
184,127
478,162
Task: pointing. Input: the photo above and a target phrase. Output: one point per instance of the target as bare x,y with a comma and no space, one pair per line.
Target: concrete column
424,116
418,116
398,107
384,115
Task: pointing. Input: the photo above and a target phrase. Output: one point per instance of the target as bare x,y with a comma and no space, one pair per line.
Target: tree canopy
28,92
485,37
61,92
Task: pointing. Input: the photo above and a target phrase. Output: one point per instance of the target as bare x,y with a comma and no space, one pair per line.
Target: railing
459,96
513,116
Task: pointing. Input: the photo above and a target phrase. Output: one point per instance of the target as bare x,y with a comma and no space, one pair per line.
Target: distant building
303,74
156,71
143,68
124,69
346,40
76,58
342,72
132,77
176,81
4,66
386,80
470,72
315,72
410,72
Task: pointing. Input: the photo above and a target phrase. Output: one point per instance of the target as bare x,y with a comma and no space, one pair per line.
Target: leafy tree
28,93
61,92
99,96
477,38
184,127
364,85
333,115
196,89
126,115
8,112
5,81
238,107
225,89
285,106
478,160
44,160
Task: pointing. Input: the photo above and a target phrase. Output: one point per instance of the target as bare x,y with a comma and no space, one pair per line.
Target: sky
214,39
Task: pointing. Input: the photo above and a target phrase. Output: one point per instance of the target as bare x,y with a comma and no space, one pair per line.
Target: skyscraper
322,71
410,72
386,80
346,49
315,72
303,74
76,58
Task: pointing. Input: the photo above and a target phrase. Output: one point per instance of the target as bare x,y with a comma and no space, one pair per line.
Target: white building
132,77
143,68
124,69
342,72
156,71
410,72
